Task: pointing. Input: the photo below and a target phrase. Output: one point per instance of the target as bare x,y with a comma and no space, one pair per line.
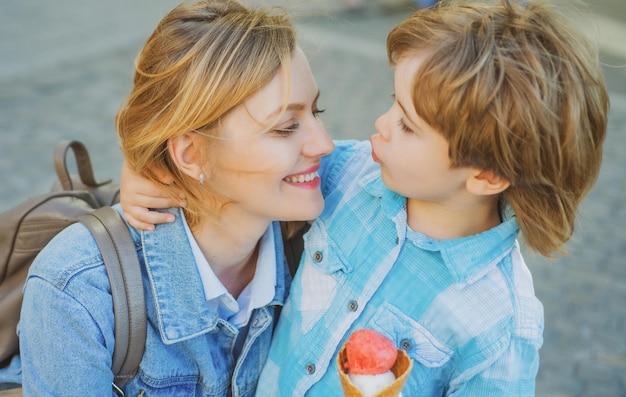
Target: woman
224,109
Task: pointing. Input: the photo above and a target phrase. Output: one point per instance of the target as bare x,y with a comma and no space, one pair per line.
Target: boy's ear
184,152
485,183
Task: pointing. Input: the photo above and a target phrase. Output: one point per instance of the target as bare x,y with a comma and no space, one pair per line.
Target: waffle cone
401,369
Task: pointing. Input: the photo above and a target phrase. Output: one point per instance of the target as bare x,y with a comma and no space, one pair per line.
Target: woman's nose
320,143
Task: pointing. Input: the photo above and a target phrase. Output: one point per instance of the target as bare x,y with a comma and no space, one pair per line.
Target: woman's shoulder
72,252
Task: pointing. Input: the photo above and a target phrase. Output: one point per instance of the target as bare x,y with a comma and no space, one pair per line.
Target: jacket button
318,256
406,345
310,368
353,305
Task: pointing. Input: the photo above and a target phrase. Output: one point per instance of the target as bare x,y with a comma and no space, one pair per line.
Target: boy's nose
382,126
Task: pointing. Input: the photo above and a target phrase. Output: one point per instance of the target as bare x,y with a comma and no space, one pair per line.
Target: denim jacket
67,334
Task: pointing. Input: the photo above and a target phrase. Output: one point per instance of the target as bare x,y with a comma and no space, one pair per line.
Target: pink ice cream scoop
369,353
369,359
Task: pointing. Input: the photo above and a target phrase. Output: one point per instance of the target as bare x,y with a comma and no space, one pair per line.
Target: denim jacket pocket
145,385
411,336
429,355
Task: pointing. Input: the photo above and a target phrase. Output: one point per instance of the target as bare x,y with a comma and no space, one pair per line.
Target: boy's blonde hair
201,61
517,91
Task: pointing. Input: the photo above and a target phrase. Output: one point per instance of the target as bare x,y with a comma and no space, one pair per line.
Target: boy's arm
138,195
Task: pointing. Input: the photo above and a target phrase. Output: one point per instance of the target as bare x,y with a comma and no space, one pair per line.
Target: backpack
27,228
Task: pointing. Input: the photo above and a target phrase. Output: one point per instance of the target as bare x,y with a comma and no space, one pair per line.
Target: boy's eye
404,127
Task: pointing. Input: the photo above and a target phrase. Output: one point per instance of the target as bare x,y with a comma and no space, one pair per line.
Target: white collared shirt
258,293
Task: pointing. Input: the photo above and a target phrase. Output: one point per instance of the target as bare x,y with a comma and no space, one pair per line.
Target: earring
201,177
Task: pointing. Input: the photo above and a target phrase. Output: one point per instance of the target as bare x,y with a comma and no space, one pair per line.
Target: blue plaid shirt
464,310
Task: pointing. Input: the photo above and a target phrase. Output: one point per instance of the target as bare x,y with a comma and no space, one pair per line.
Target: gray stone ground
65,67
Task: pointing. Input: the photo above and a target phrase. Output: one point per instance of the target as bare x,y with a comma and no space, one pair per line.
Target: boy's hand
138,195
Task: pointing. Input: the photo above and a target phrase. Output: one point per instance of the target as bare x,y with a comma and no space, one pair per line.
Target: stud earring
201,177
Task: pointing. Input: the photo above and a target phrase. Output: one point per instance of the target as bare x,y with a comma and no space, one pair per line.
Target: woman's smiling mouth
310,178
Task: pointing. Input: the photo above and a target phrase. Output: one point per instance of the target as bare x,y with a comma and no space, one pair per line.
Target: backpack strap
83,164
129,306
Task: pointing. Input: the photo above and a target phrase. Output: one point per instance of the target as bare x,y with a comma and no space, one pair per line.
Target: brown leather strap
83,163
120,259
13,218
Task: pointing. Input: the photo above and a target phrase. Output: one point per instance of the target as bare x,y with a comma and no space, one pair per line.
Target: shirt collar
181,309
470,258
178,296
467,258
257,294
260,291
391,202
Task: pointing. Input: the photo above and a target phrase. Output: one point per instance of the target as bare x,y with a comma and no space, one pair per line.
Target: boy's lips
374,157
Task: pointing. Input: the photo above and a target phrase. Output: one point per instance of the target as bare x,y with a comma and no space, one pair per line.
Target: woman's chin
308,212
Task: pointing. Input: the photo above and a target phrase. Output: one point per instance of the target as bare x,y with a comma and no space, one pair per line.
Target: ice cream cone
401,369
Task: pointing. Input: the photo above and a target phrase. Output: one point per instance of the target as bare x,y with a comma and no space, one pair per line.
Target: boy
496,128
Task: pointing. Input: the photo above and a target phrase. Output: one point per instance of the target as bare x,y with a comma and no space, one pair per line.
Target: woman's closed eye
296,124
287,130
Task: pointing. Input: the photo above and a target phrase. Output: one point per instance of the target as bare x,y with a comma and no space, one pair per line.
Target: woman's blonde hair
201,61
515,90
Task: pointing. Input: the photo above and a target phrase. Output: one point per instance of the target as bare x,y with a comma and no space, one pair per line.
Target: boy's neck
442,221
